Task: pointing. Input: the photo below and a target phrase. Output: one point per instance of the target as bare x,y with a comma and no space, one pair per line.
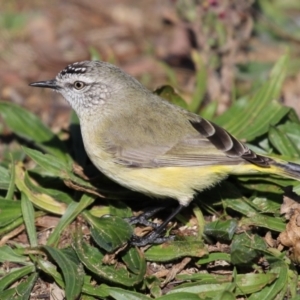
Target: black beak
51,84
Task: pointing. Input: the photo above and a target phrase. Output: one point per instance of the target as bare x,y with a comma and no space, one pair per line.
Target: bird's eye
78,85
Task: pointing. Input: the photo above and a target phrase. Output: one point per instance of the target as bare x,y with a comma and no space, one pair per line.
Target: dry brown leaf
291,236
288,207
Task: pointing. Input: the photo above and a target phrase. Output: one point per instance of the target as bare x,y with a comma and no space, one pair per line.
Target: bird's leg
154,236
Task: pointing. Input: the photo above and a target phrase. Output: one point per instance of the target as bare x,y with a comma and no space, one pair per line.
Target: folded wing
205,143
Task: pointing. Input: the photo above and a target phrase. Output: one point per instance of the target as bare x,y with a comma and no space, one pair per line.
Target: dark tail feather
286,169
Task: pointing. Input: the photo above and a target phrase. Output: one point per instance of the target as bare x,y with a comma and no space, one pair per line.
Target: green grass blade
253,117
28,216
72,272
28,126
72,211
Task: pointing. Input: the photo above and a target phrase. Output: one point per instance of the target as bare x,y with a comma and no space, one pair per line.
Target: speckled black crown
75,68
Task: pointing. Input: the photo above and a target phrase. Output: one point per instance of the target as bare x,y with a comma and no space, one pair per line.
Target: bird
149,145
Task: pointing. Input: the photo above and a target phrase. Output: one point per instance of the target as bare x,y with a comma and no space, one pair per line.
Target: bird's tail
271,166
285,169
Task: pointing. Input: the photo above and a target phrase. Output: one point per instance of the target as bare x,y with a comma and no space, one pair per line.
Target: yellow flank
180,183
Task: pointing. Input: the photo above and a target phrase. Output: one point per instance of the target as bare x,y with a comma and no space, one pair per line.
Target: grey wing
205,143
192,151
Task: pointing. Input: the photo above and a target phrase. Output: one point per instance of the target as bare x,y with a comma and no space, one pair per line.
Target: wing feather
147,139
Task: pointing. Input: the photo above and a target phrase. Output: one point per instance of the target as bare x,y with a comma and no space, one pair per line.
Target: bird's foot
143,218
151,238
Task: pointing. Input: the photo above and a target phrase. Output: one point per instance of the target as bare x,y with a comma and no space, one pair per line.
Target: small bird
149,145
